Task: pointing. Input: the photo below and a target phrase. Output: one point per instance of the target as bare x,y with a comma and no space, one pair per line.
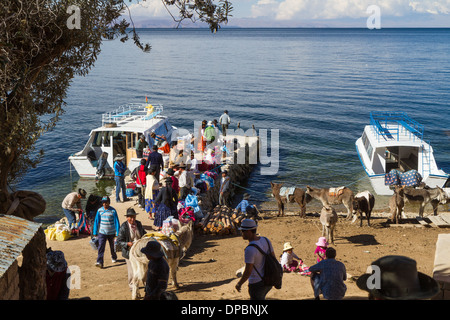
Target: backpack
273,272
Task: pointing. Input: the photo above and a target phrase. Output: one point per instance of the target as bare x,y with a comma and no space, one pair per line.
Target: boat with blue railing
393,141
119,134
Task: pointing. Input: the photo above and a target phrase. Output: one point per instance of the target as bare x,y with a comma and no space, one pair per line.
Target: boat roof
394,129
133,117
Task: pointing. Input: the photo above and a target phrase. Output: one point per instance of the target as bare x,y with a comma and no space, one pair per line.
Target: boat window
369,151
106,138
131,140
118,136
97,141
367,145
165,125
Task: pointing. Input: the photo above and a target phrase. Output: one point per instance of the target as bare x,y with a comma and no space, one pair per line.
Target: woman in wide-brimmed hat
396,278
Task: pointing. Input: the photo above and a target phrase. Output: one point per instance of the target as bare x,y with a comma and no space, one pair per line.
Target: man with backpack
255,261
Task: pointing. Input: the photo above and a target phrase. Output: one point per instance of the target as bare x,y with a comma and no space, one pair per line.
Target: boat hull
86,169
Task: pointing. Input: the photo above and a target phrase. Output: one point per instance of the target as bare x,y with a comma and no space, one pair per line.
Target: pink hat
322,242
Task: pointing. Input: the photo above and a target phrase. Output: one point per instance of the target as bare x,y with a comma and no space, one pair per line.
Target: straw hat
287,246
322,242
399,280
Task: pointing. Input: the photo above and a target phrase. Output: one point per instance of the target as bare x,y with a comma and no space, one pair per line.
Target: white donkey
173,253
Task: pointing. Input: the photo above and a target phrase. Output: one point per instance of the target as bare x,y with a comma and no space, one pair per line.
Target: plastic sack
58,232
170,225
63,235
209,180
94,243
50,233
192,201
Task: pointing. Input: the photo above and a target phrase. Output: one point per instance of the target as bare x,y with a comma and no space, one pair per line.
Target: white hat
248,224
287,246
119,157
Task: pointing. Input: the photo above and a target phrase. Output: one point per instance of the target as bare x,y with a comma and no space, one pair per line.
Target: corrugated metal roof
15,233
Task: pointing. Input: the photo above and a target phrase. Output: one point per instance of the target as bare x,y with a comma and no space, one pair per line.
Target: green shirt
140,145
210,133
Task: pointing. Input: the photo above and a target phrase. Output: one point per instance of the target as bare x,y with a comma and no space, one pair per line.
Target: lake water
316,86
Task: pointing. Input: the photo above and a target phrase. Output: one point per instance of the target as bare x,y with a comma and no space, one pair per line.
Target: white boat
393,140
118,134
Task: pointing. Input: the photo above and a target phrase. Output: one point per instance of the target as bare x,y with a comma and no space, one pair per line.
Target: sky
312,13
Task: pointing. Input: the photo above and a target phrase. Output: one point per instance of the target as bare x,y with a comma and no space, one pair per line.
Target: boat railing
390,125
131,112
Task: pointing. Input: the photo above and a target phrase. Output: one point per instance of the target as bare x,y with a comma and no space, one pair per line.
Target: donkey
299,196
363,203
329,196
328,219
397,203
435,196
139,261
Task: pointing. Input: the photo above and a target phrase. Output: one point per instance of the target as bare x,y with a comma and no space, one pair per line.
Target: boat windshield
101,138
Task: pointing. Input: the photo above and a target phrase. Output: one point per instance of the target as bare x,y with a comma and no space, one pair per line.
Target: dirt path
208,272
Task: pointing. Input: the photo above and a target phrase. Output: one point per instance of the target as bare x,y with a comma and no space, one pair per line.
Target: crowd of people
393,277
161,186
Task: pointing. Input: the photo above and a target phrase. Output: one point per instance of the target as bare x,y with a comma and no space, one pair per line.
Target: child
287,259
322,246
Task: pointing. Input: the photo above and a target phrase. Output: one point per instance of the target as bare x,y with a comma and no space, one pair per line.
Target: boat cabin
395,141
119,134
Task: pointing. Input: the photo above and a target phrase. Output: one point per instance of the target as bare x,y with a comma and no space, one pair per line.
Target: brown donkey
298,195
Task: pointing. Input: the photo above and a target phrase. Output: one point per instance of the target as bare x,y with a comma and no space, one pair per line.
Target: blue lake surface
316,86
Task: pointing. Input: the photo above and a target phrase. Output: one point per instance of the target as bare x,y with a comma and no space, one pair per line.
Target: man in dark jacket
158,271
130,231
155,159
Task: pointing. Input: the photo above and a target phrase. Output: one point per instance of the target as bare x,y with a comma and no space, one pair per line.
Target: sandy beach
208,271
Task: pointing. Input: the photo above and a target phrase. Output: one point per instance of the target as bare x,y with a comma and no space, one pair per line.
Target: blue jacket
119,168
242,206
106,222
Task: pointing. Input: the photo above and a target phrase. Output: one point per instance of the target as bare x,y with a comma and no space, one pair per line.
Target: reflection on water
55,192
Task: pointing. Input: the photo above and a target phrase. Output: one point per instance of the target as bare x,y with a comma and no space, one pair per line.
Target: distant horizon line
275,27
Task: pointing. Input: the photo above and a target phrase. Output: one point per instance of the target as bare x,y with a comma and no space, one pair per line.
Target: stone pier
239,164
